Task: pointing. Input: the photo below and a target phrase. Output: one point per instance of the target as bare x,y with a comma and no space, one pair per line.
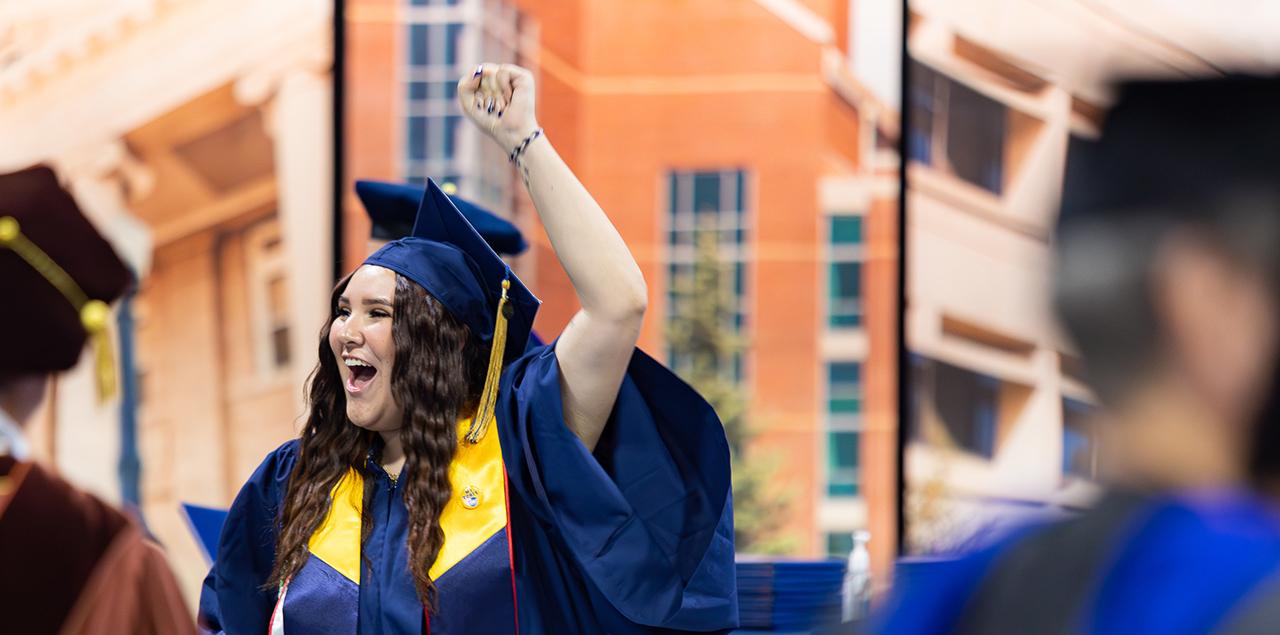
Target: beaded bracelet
515,154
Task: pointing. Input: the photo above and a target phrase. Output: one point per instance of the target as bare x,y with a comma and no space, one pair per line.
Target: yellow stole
475,512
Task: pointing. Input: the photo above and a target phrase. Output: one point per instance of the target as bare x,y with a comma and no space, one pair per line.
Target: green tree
704,346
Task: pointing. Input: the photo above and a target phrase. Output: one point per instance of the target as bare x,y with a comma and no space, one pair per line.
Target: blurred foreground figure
1167,271
69,563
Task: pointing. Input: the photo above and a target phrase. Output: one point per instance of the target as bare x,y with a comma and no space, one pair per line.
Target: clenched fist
499,99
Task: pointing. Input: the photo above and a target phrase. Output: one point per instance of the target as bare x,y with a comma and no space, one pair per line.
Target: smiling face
362,344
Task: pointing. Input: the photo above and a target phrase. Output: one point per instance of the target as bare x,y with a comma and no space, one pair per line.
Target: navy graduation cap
393,206
447,257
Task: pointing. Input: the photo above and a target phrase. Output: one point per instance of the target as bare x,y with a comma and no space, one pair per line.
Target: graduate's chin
360,417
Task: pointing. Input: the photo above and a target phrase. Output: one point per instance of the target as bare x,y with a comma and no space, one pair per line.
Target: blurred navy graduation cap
445,255
393,206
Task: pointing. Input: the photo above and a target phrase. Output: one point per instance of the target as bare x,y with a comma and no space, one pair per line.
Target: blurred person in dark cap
69,563
1167,278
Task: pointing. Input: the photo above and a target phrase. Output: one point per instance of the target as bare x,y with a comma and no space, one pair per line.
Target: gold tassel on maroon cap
94,314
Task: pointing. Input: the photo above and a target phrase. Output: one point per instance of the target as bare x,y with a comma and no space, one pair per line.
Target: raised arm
595,349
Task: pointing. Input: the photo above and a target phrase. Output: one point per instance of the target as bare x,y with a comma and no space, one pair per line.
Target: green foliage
704,345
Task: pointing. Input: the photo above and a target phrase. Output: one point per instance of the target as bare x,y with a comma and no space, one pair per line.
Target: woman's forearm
603,272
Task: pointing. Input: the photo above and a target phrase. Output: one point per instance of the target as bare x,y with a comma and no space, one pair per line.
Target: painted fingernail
490,105
500,112
479,70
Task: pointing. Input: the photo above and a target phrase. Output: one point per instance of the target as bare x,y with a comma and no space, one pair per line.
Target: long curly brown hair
437,378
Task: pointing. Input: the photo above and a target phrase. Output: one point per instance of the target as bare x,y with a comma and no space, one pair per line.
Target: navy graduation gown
637,538
1190,563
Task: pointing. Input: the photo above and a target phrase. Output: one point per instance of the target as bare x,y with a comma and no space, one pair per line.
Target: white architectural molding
96,175
304,171
801,18
165,62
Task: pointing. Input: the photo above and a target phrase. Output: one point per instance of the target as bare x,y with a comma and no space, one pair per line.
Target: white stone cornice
69,31
802,19
188,49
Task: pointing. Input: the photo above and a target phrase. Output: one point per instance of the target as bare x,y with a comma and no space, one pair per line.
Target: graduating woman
448,481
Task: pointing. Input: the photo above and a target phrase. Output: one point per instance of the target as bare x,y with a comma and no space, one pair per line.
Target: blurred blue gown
636,537
1190,563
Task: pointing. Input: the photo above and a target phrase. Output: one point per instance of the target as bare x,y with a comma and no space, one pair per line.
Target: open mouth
361,376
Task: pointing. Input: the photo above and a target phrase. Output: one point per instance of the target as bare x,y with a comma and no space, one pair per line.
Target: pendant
470,497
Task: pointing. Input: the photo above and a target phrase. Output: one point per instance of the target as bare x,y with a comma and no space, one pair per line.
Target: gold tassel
489,397
94,314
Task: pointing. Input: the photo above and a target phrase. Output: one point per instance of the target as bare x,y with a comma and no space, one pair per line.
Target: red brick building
743,111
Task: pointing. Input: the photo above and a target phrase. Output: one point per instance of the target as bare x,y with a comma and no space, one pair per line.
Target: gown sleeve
232,599
641,529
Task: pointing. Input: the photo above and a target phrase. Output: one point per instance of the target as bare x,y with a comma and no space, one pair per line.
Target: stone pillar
300,120
303,125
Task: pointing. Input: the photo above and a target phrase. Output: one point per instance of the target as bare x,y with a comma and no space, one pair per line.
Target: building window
706,210
844,284
956,129
844,419
954,406
444,39
433,120
269,299
1079,443
839,544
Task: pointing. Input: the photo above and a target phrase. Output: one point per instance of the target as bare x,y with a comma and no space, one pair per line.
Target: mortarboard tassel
489,397
94,314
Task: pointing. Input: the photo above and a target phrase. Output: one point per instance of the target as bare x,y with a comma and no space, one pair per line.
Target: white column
302,125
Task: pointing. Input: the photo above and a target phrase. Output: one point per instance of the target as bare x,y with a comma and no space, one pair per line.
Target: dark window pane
417,90
844,388
846,280
922,105
673,183
843,373
846,230
966,403
741,178
1077,439
280,346
418,44
417,134
839,544
845,293
842,463
843,449
975,137
842,489
453,33
845,320
706,192
844,405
